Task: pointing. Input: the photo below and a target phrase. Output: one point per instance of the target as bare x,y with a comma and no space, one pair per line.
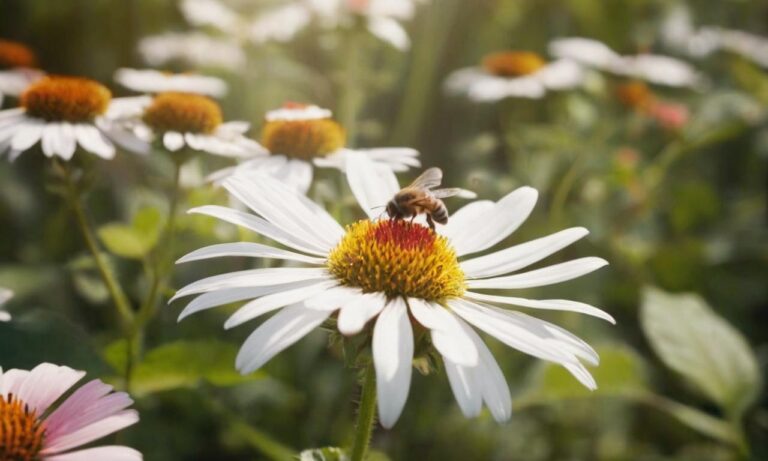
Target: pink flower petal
111,453
45,384
91,432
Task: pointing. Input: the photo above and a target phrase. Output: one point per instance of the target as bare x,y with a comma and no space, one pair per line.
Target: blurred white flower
179,120
17,68
210,13
394,273
154,81
34,426
5,295
658,69
519,74
296,138
194,48
62,113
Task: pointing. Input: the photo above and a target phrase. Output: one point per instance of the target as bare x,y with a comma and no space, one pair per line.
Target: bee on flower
34,427
296,138
514,74
18,68
383,277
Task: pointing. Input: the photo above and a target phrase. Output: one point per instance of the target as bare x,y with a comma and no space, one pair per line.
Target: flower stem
366,415
74,199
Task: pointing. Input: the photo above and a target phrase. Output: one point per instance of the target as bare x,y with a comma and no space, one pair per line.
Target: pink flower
671,116
33,428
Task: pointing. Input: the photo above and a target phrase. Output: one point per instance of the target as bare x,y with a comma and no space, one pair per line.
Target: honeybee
418,198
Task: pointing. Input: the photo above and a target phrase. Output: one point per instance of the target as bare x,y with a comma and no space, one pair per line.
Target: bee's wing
429,179
453,191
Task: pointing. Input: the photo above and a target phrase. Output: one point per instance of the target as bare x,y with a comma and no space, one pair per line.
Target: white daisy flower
32,426
296,138
17,68
389,274
196,49
5,295
154,81
516,74
654,68
62,113
179,120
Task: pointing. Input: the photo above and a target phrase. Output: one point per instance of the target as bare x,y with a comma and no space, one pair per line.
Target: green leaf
182,364
620,374
138,239
691,339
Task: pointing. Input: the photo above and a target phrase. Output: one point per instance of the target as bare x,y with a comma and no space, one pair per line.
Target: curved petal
93,141
253,250
111,452
276,334
561,75
357,311
541,277
27,135
372,186
447,335
545,304
392,358
173,141
252,278
91,432
44,384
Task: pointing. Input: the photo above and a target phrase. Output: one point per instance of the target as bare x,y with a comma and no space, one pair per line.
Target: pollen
183,113
513,63
397,258
21,432
303,139
15,54
68,99
635,95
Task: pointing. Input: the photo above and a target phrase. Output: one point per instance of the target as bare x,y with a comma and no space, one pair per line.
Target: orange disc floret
183,113
15,54
70,99
21,432
397,258
635,95
513,63
303,139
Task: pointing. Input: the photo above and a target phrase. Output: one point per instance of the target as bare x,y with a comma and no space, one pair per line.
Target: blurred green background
683,211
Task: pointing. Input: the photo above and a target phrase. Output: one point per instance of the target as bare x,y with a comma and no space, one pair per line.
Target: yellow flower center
183,113
70,99
635,95
21,433
14,54
513,63
399,259
303,139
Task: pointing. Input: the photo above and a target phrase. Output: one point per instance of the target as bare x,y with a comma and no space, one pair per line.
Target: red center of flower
404,235
21,433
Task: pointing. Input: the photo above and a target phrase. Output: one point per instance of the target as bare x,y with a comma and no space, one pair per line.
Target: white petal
67,140
254,250
357,311
92,140
662,70
498,222
260,226
112,453
372,186
276,334
545,304
392,357
584,50
561,74
541,277
466,216
274,301
390,31
522,255
465,388
5,316
447,335
27,135
50,138
333,298
173,141
252,278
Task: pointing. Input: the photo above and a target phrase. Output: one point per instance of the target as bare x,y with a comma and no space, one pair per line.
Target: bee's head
393,210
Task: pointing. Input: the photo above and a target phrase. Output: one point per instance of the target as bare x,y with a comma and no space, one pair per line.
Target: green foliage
138,239
691,339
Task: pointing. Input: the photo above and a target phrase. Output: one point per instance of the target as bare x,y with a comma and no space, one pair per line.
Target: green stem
366,415
560,196
74,199
352,96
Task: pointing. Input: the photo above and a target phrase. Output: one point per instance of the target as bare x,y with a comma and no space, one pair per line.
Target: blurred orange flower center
513,63
14,54
303,139
21,433
397,258
635,95
183,113
71,99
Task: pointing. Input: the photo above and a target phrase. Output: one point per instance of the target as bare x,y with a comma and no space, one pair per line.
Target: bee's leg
412,218
430,222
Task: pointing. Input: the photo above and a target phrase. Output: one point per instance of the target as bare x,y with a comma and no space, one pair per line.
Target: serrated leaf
691,339
181,364
620,374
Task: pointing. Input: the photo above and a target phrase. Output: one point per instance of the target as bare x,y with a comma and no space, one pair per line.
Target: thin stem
366,415
352,96
560,198
122,304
